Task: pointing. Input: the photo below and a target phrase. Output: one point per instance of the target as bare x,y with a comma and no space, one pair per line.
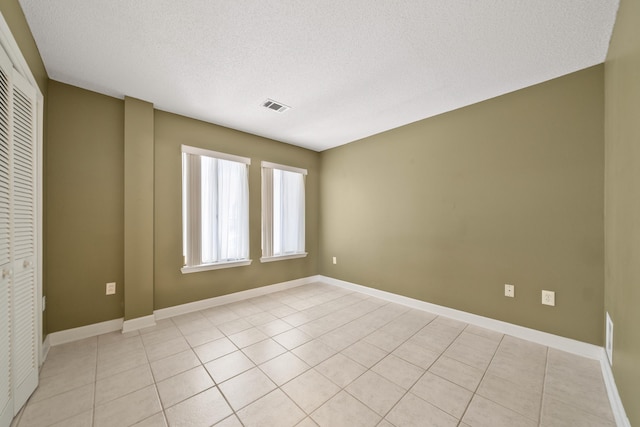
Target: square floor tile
228,366
412,411
485,413
128,409
558,414
344,410
246,387
175,364
52,385
184,385
123,383
247,337
58,407
202,337
231,421
457,372
376,392
234,326
314,352
214,349
201,410
292,338
416,354
399,371
273,409
157,420
264,350
84,419
160,350
275,327
364,353
310,390
340,369
284,368
450,397
514,396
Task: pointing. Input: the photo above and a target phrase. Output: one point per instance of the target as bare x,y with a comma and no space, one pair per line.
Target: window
282,212
215,210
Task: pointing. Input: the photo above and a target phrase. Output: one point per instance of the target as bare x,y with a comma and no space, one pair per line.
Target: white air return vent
275,106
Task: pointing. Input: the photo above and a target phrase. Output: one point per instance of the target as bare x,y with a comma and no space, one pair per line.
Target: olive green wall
449,209
138,208
86,212
622,202
173,287
85,203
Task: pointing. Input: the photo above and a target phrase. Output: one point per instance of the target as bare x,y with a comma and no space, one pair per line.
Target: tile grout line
426,370
544,384
475,392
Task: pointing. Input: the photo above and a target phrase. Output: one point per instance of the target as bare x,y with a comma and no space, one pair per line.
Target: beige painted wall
85,202
172,287
449,209
622,202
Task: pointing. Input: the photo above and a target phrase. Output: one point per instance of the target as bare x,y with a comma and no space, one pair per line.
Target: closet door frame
11,48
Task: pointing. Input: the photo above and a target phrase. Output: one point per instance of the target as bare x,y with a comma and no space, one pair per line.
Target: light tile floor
315,355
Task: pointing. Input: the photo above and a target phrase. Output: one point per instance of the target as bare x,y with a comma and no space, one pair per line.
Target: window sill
282,257
216,266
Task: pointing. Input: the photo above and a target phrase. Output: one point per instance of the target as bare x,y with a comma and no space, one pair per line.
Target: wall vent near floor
609,339
275,106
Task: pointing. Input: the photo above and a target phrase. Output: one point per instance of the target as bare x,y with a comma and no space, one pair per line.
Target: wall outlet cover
549,298
509,291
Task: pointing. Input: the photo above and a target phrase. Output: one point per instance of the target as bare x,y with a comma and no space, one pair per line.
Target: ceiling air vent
275,106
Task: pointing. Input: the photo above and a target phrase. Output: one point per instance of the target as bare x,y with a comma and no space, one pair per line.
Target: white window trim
271,165
224,156
215,266
210,153
283,167
283,257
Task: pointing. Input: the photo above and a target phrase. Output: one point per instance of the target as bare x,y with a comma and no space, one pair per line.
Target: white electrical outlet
111,288
509,291
335,260
44,302
548,298
608,345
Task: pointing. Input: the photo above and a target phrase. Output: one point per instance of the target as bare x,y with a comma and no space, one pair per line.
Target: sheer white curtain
288,212
283,211
215,208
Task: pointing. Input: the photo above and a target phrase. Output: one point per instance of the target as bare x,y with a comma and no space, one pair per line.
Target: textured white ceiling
348,68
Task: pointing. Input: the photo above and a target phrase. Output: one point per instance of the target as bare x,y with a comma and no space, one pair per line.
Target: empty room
249,213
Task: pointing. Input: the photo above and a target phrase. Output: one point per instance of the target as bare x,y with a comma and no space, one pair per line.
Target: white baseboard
75,334
44,349
550,340
614,397
138,323
165,313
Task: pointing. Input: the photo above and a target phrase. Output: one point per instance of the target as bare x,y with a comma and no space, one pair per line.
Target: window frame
267,217
186,149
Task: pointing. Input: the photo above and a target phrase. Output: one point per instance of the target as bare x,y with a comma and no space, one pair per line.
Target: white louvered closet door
6,393
24,346
18,234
